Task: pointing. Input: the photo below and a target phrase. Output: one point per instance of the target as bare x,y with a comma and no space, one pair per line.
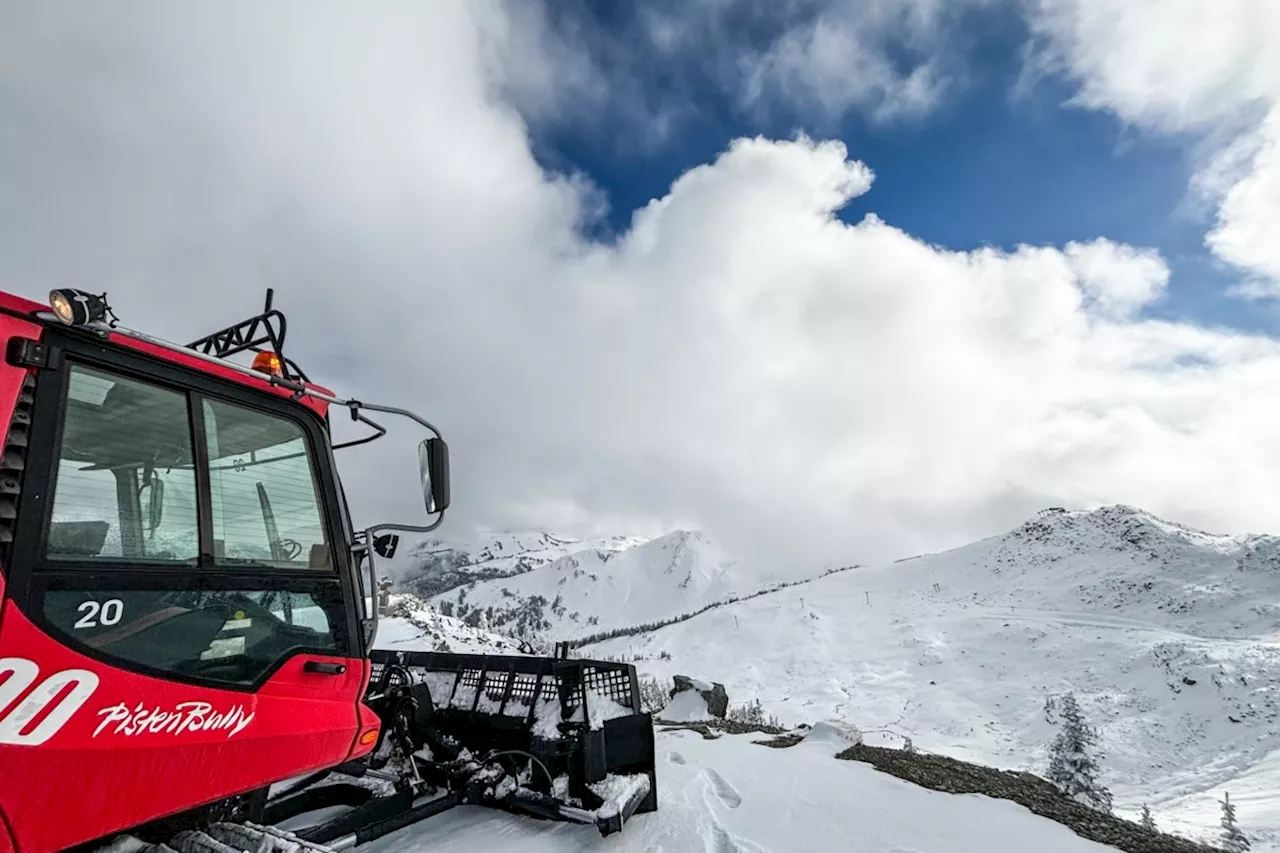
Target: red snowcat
187,618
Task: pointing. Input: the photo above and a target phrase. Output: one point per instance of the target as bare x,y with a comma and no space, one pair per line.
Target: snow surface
730,796
838,735
1169,637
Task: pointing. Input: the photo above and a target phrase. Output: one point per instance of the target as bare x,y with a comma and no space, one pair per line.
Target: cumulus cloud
1120,280
738,360
1188,67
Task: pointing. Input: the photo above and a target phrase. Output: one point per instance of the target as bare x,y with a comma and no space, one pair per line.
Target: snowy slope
1168,636
730,796
435,565
416,627
596,588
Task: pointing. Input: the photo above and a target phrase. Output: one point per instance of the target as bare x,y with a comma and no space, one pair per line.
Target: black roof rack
269,327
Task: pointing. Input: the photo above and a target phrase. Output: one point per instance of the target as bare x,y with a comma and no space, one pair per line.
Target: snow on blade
601,708
617,791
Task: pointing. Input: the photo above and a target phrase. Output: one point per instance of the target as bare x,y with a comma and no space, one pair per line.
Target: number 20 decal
16,675
106,613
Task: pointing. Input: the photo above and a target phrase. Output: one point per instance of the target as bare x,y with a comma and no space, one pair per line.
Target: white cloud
1119,279
838,61
1195,67
887,59
738,360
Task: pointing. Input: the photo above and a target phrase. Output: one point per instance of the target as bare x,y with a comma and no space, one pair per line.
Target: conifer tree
1233,840
1148,822
1071,768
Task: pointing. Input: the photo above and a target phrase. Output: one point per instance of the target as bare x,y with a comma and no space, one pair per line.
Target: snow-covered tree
1148,822
1071,768
1233,840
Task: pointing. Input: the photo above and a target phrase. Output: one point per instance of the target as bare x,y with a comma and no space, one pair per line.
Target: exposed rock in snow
715,701
688,706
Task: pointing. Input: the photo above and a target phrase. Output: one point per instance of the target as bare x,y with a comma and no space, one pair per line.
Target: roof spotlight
77,308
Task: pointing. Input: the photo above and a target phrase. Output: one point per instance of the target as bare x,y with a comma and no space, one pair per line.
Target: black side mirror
433,466
385,545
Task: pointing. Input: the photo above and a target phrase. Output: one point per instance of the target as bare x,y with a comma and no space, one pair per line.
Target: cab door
179,628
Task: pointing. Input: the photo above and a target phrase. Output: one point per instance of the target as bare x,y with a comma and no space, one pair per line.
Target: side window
228,636
125,487
266,508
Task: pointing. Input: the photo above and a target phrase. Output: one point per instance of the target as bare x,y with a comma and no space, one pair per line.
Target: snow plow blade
551,738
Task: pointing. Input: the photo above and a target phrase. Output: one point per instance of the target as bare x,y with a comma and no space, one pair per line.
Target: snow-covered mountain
1169,637
436,565
594,588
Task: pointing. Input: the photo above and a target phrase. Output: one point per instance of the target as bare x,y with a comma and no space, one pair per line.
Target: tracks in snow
717,792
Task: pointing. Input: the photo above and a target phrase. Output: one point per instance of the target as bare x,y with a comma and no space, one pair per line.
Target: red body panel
136,748
18,305
110,748
6,840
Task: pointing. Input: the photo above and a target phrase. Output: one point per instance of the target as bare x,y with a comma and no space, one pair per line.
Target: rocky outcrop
941,773
712,693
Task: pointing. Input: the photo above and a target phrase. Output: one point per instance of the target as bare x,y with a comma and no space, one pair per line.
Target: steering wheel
292,547
243,602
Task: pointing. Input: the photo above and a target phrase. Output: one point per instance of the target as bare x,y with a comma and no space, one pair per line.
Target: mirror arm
403,528
381,431
390,410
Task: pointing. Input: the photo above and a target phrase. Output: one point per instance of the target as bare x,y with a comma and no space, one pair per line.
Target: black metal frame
249,335
269,328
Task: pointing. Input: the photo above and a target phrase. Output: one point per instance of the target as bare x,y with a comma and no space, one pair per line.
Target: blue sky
995,163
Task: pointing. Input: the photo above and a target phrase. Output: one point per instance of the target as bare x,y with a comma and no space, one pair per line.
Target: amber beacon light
268,362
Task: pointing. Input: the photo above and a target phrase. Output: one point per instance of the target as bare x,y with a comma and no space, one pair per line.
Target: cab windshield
127,488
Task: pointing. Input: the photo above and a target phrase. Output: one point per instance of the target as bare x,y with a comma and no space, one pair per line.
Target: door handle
324,667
